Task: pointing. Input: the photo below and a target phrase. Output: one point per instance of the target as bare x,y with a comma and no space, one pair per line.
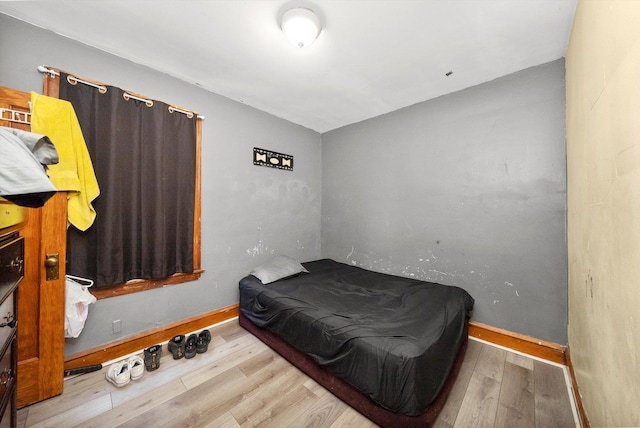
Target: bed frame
349,394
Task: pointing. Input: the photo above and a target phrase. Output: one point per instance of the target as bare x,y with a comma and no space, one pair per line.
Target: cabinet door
40,300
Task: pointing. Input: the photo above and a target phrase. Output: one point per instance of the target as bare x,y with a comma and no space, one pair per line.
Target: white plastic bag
77,303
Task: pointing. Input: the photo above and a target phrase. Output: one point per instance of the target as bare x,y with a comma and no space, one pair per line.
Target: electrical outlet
116,327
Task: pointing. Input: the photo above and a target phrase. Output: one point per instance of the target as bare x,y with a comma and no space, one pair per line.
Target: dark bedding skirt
394,339
347,392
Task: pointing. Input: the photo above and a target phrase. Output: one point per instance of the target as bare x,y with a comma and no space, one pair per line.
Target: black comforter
393,338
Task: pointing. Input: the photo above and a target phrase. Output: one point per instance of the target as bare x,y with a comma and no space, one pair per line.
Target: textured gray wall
468,189
248,212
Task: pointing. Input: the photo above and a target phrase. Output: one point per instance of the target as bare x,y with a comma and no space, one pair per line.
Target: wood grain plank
491,362
240,350
449,412
225,421
230,330
321,414
265,395
519,360
480,403
285,410
258,362
199,405
315,387
552,404
516,406
77,391
77,415
352,419
136,406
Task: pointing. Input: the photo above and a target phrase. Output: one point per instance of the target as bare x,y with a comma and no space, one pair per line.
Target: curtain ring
74,81
127,96
189,114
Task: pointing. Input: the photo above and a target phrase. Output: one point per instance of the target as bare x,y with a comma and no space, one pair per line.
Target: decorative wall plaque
262,157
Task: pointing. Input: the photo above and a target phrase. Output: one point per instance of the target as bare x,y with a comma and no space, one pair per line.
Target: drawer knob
15,265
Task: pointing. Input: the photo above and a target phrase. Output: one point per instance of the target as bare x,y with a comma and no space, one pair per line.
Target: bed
389,346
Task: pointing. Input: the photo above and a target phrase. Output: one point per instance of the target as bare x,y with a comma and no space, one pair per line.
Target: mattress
393,338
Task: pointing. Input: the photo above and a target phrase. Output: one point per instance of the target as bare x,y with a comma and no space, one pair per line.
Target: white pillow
278,267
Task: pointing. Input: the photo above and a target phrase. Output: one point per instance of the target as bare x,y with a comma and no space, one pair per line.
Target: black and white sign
262,157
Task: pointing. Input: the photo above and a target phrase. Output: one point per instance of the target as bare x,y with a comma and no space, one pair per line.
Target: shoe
176,347
202,343
190,348
119,373
152,357
136,367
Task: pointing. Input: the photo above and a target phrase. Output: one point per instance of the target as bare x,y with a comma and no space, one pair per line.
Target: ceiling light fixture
301,26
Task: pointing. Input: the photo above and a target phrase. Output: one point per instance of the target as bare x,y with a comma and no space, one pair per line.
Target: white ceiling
372,56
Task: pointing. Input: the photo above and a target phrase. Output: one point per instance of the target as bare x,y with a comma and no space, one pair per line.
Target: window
146,157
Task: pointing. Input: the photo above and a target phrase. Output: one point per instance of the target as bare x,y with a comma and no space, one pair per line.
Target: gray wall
468,189
248,212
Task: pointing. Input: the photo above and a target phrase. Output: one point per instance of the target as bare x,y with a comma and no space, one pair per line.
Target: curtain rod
44,70
149,102
72,79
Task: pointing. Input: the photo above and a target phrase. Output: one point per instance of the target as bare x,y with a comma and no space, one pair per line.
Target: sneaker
136,367
152,357
202,343
119,374
176,346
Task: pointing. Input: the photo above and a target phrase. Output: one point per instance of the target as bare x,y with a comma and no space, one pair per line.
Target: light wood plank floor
240,382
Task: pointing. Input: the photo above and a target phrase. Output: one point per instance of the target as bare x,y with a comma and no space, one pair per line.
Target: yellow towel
74,173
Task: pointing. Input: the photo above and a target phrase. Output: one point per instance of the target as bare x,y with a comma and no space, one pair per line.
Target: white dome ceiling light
301,26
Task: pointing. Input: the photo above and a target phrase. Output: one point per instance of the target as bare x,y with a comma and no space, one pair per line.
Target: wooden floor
240,382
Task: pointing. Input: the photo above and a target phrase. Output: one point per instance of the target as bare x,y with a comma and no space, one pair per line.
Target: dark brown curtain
145,162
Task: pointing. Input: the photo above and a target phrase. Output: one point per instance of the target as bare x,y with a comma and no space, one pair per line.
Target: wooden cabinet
11,273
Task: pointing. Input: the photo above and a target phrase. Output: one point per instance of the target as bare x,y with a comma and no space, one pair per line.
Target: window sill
136,285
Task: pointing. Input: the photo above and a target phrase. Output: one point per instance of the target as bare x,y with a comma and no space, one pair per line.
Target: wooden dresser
11,273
